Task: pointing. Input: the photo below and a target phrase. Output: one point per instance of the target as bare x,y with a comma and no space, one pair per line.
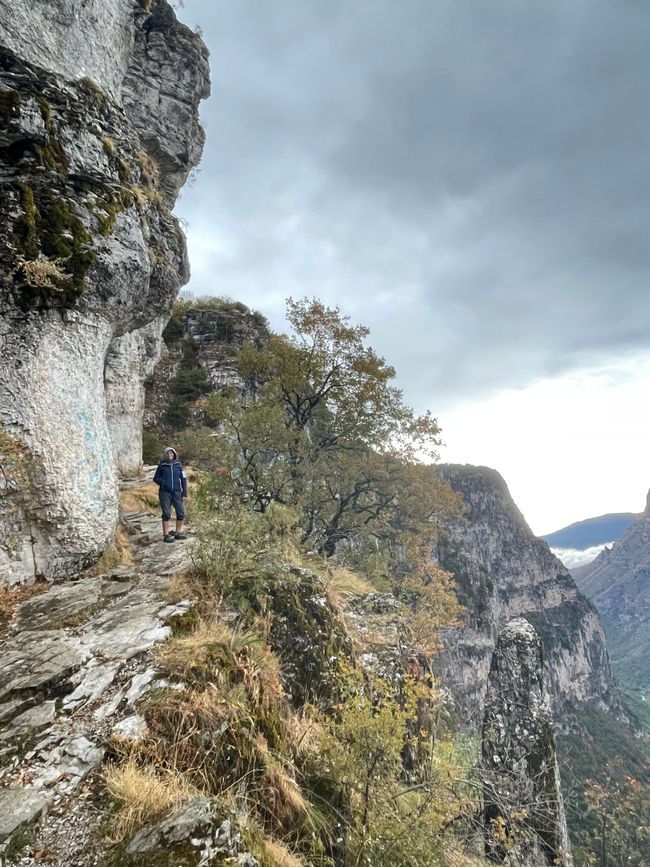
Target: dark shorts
167,500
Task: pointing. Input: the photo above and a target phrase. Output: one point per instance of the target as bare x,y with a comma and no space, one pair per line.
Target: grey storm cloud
469,179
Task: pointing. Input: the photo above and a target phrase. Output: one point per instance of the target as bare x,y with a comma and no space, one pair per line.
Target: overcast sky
472,181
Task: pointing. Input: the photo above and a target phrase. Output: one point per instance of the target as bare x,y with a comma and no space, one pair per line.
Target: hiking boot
180,536
169,537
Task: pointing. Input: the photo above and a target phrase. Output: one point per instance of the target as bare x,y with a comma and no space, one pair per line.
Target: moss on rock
52,156
49,229
309,636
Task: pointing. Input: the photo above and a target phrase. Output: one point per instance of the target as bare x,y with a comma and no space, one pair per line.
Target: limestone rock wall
91,257
525,823
503,571
129,361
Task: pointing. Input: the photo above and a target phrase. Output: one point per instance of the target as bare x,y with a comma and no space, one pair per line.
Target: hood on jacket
169,449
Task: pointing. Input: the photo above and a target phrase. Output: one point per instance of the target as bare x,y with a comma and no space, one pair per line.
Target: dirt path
74,660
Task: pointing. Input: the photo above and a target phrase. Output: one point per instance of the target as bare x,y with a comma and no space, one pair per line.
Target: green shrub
239,551
197,446
152,446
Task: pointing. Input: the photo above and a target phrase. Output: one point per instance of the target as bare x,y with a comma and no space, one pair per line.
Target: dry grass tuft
185,654
143,795
282,795
143,498
281,856
149,169
341,584
117,554
185,585
42,272
304,735
123,545
454,856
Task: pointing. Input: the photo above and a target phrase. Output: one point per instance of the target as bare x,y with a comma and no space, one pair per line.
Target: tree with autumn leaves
328,434
620,808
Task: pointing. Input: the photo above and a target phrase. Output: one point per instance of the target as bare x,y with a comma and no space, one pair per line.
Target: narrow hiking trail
73,661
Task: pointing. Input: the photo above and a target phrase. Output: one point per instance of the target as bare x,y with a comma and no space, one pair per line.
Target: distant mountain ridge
592,531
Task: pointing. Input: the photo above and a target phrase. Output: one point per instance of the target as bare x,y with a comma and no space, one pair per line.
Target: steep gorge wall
98,131
503,571
618,583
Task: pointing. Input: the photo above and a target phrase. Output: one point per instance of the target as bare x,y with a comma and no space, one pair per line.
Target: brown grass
193,652
10,597
42,272
119,553
282,795
304,734
342,584
281,856
454,856
143,795
123,545
143,498
186,585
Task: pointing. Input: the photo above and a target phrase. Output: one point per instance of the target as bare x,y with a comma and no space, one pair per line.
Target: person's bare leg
179,525
166,528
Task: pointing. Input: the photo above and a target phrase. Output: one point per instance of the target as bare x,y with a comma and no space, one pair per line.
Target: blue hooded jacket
170,475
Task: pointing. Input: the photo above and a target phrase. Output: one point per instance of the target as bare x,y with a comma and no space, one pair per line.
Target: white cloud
569,448
572,557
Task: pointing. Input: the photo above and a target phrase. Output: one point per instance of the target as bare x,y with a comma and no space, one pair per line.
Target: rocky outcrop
196,834
202,341
618,583
503,571
309,636
525,825
98,131
75,660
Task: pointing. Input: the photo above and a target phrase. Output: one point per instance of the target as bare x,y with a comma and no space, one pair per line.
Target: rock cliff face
525,822
503,571
618,583
98,131
203,339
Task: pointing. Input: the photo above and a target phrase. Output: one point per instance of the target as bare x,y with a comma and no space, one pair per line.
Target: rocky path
73,661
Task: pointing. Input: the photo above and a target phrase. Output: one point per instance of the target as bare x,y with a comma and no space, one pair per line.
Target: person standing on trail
172,483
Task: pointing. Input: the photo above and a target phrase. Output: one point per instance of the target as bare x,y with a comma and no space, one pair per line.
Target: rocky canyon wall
502,572
98,131
618,583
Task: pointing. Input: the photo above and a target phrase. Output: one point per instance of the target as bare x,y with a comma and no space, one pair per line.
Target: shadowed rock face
524,814
503,571
98,131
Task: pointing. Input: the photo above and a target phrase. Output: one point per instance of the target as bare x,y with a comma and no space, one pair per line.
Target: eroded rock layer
98,131
503,571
